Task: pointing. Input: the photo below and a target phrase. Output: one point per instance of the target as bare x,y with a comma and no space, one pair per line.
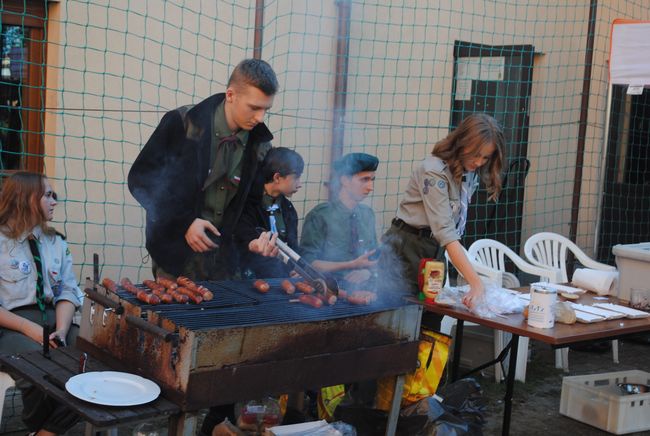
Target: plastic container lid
639,251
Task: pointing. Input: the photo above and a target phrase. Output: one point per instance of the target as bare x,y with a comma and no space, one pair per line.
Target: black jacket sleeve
161,180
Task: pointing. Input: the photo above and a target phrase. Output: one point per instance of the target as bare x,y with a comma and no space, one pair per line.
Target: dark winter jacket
167,180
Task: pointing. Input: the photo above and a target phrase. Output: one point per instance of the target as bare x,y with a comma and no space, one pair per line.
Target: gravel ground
536,403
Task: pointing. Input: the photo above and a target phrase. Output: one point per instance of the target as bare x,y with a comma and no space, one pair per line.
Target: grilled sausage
169,284
153,285
186,282
109,284
305,287
164,297
161,293
329,299
204,292
287,287
193,296
361,297
261,286
145,297
127,284
311,300
178,297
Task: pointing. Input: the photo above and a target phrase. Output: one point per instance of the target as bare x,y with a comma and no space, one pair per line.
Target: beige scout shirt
18,271
432,199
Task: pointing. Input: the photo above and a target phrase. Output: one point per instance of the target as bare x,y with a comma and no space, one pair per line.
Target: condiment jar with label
541,311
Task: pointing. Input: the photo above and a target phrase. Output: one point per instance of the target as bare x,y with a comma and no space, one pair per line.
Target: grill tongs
323,283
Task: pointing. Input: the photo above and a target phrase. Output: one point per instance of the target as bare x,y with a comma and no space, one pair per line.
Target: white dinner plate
111,388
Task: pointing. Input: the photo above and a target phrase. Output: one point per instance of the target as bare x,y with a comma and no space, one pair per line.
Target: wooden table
51,374
560,335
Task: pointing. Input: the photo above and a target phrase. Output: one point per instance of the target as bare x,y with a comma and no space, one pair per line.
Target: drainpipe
259,27
341,79
584,113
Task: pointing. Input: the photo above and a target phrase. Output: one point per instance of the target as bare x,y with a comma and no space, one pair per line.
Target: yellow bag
433,352
328,398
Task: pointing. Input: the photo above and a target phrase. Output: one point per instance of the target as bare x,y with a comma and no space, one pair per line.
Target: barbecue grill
243,344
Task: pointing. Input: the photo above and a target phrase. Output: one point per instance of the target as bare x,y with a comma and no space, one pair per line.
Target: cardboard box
597,400
633,262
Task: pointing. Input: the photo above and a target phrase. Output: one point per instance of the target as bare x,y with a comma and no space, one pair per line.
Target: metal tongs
322,283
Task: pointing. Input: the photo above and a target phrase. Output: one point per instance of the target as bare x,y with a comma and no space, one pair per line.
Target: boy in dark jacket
195,172
268,207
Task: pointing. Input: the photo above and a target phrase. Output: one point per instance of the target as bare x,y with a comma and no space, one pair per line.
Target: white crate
633,262
597,400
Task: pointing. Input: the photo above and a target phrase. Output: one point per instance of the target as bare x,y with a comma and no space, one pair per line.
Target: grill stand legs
183,424
393,416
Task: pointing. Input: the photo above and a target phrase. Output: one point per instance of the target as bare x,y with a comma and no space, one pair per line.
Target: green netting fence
83,84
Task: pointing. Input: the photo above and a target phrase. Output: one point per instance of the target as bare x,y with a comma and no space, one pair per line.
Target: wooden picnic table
51,374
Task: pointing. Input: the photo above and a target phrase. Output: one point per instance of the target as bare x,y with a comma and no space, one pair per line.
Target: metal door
496,80
625,213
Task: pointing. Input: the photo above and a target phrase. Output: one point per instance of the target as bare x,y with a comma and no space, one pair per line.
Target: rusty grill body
244,345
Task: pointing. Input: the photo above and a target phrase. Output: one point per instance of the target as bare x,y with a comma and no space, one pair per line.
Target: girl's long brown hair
20,204
465,141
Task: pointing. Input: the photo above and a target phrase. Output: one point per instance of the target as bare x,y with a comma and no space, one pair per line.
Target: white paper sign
480,68
463,90
629,61
635,90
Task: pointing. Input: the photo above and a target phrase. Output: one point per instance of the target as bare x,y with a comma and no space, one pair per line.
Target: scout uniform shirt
334,233
433,200
18,271
226,154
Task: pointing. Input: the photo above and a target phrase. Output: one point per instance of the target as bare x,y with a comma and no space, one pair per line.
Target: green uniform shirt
225,162
329,233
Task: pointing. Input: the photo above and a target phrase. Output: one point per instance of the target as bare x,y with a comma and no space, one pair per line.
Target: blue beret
353,163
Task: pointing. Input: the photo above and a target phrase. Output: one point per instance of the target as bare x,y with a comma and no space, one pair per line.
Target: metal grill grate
238,304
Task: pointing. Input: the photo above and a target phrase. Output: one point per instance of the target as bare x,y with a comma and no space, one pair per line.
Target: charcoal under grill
244,344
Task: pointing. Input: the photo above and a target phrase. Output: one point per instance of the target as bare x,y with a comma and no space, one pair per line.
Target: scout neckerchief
40,292
224,158
355,244
468,180
273,225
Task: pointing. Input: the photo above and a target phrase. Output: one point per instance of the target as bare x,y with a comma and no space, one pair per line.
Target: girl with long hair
37,288
433,211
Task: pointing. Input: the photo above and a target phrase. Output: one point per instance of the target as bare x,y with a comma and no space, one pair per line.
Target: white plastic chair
6,382
493,254
549,250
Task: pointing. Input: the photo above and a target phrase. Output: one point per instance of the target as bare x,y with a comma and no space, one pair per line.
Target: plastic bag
433,351
496,300
460,413
257,415
328,398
